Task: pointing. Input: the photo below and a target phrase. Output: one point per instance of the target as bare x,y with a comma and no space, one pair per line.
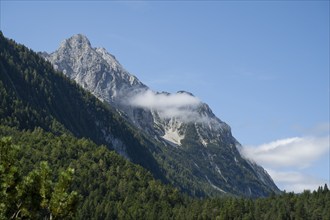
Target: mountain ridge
180,120
33,95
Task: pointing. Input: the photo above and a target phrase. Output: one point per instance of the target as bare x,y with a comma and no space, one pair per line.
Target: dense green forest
110,187
33,94
56,162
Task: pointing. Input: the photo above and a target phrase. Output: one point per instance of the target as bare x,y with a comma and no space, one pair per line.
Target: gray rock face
94,69
99,72
184,128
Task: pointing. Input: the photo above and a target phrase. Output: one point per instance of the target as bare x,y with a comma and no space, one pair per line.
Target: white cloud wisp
297,152
296,181
286,161
179,105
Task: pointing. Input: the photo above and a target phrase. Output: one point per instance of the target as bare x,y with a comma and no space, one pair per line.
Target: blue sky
263,67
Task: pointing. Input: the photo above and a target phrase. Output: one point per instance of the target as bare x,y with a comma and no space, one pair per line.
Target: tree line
44,176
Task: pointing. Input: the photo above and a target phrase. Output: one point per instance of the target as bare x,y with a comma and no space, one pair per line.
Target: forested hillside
33,95
111,187
57,162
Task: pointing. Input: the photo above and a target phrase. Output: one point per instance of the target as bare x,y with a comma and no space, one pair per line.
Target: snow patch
214,186
196,165
250,192
172,132
131,79
202,140
173,136
219,171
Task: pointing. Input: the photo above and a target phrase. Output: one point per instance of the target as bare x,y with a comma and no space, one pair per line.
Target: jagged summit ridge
78,41
93,68
99,72
183,128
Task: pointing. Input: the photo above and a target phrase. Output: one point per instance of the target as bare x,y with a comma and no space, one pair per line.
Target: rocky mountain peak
185,92
93,68
179,123
77,41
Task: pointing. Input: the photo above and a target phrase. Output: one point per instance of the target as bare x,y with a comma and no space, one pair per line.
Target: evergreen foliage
50,127
111,187
33,94
33,195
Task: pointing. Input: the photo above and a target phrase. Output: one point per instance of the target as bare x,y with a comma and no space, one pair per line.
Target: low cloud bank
150,99
179,105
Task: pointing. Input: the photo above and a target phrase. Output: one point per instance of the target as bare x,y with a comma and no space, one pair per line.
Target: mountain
195,151
33,94
41,112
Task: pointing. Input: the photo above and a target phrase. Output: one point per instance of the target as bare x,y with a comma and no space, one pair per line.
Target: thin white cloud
295,152
287,159
150,99
179,105
295,181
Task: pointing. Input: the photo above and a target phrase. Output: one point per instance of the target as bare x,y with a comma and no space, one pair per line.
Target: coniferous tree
33,196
